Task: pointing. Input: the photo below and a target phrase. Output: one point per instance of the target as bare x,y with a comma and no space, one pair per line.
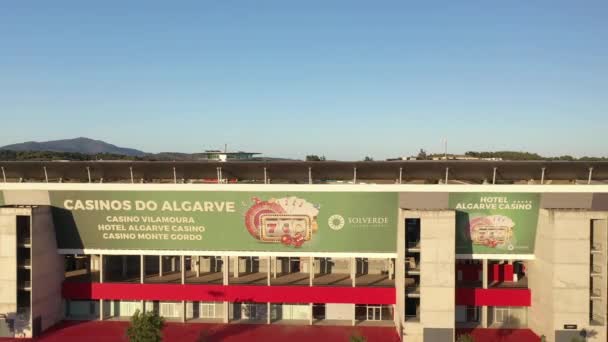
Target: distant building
223,156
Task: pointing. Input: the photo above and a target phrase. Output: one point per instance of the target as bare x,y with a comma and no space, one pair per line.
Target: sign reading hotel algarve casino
226,221
495,223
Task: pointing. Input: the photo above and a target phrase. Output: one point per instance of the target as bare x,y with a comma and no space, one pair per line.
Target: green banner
226,221
495,223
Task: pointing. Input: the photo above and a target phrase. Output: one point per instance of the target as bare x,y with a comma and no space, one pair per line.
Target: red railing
230,293
493,297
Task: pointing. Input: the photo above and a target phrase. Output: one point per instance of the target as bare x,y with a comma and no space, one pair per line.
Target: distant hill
78,145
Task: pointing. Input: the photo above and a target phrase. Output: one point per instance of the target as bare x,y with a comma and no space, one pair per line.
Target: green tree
314,157
368,158
422,155
145,327
465,338
357,337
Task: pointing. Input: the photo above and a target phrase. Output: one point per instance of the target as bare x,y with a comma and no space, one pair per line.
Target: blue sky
288,78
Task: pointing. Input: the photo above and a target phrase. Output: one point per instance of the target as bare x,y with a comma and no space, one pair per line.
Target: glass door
374,313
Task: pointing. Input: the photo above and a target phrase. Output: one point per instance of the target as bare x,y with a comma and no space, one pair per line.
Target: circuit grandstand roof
307,172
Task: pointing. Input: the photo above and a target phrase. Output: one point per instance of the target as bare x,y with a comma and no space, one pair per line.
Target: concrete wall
540,273
8,262
437,272
47,270
559,277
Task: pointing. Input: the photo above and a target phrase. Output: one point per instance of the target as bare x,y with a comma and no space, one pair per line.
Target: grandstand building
428,247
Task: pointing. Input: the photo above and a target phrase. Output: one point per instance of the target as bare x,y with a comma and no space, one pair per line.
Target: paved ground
95,331
113,331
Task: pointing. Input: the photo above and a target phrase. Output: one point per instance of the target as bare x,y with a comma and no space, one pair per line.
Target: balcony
413,246
597,320
596,270
596,248
25,242
595,294
25,285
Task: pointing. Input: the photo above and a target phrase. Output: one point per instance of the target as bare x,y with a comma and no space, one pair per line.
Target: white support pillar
101,316
265,176
142,271
588,180
311,273
174,175
400,175
131,173
354,175
173,264
484,277
353,270
183,268
198,266
354,320
310,175
542,176
89,173
310,318
101,268
225,318
494,176
267,313
46,176
225,261
274,269
3,174
447,175
160,265
268,270
390,269
183,311
235,271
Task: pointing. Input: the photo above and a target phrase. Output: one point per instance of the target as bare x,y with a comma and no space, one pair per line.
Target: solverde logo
336,222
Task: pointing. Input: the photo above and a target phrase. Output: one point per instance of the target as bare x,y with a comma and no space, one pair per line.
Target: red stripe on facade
493,297
230,293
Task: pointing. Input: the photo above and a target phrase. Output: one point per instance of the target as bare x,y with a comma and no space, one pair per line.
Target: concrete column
354,321
311,275
142,271
101,268
274,268
484,309
225,261
353,270
198,266
484,273
390,269
183,268
268,271
310,318
173,264
226,313
236,267
124,265
160,265
183,308
101,310
267,313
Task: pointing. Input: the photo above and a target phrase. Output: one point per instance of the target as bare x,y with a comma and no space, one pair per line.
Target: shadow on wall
464,244
66,230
